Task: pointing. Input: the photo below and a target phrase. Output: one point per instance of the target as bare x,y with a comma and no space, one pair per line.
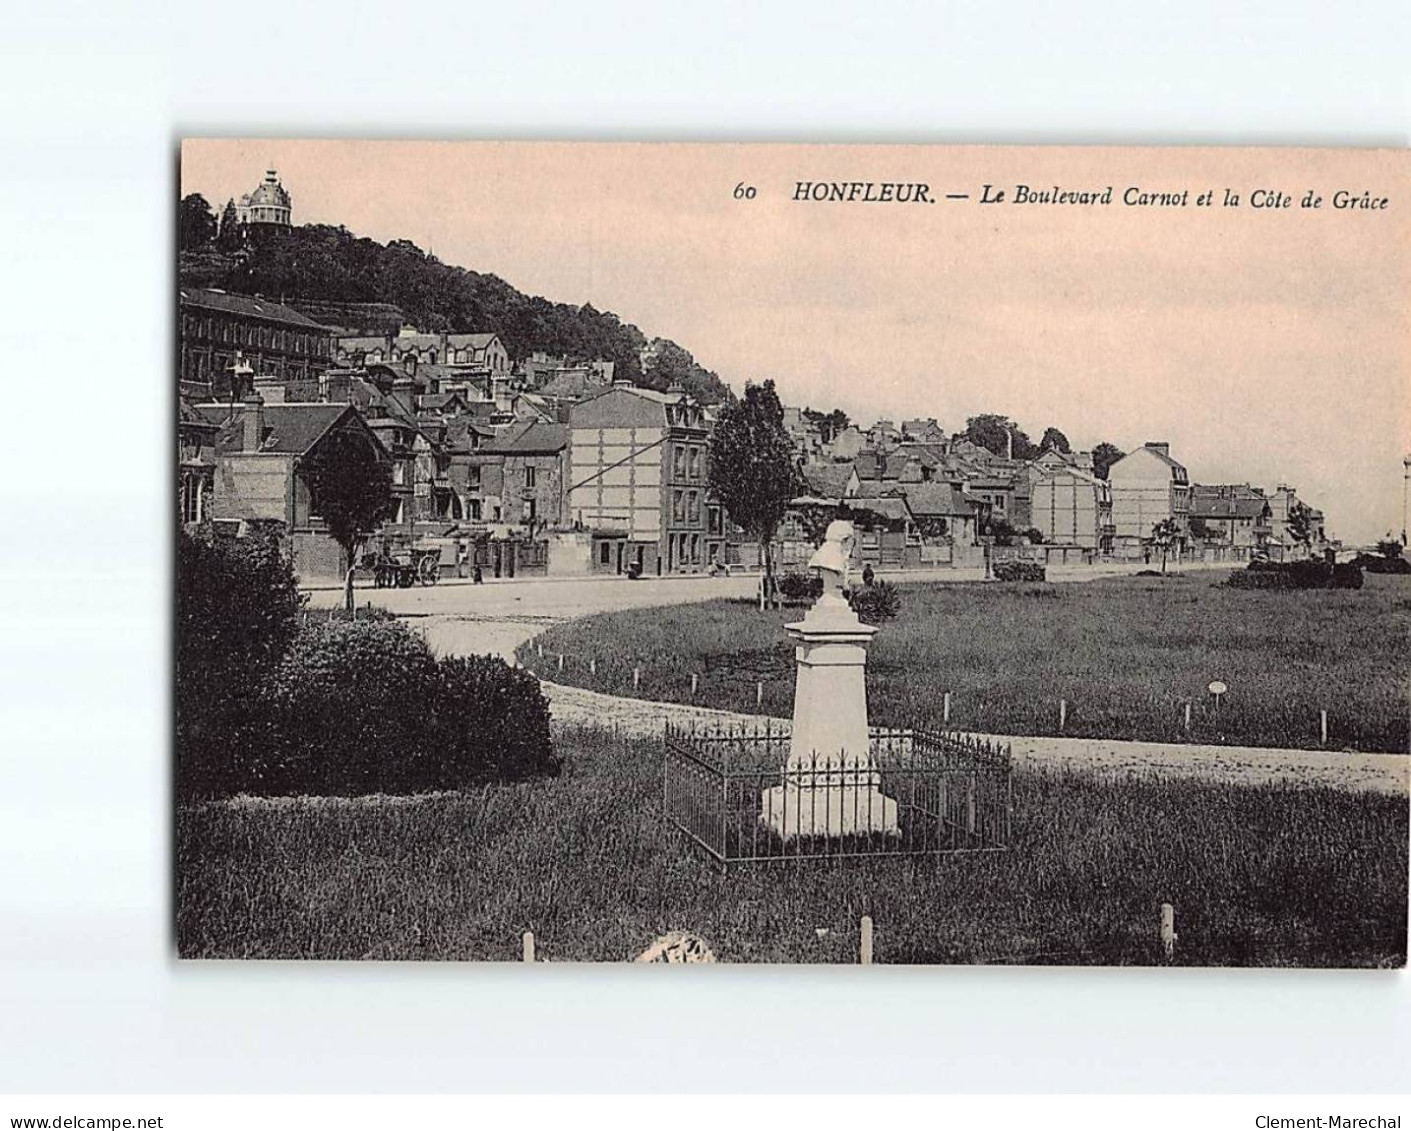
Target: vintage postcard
792,553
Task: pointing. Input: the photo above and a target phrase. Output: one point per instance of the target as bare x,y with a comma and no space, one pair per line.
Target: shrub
237,611
876,603
1377,563
364,707
491,723
800,587
1020,571
1347,575
1309,573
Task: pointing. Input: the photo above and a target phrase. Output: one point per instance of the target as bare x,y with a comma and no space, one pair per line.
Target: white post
560,661
1062,713
1323,725
528,946
695,683
1188,718
636,678
866,955
1168,930
759,693
945,708
592,665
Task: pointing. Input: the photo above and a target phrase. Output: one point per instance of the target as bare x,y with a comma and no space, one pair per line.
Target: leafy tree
993,432
1054,440
1165,535
752,471
195,223
1300,523
1104,456
1199,528
229,236
830,424
1002,531
350,478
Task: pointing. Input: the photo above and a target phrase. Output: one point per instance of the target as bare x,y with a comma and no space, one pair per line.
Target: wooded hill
319,263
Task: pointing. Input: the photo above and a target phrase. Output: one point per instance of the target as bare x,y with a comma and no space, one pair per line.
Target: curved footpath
463,619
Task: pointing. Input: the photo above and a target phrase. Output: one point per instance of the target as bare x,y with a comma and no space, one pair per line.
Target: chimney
270,389
1161,446
253,422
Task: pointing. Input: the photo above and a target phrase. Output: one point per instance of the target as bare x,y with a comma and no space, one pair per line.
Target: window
678,462
678,506
473,477
693,503
531,510
695,463
475,510
604,553
529,471
714,518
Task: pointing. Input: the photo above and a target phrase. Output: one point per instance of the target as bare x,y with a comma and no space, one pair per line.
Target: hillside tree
350,477
1054,440
195,222
228,235
1104,456
753,473
993,432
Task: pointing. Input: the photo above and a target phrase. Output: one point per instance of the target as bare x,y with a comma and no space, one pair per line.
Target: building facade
225,339
533,462
1148,486
1070,507
638,480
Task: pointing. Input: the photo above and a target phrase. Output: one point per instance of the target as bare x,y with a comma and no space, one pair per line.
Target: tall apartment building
1148,486
638,480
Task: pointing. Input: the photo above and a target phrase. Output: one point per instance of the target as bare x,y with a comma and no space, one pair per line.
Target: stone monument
831,786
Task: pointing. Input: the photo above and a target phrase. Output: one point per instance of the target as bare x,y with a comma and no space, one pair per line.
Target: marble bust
833,559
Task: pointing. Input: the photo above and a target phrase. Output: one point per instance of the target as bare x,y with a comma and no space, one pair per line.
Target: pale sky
1266,345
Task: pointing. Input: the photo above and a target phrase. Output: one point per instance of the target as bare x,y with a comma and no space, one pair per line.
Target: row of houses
1057,500
552,465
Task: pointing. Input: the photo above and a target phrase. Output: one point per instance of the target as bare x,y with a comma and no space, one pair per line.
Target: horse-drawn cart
401,568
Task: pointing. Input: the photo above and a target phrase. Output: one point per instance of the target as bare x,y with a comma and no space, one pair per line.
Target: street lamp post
1405,484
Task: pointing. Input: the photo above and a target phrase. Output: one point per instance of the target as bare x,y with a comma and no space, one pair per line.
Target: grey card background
96,96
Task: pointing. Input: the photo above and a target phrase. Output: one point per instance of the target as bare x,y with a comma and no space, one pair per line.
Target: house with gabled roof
1148,487
264,457
1070,506
533,459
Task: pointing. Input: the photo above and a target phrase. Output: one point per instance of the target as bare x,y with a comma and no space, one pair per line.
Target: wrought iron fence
739,795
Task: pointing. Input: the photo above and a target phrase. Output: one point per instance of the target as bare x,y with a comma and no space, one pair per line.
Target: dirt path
461,620
1242,765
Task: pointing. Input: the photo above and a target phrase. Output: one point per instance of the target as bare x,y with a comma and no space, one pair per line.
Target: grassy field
1126,653
1258,875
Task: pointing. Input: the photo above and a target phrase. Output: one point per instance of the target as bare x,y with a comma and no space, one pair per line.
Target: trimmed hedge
362,707
1379,563
237,612
1310,573
1020,571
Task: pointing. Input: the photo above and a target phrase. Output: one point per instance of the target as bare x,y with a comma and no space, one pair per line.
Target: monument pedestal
831,785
